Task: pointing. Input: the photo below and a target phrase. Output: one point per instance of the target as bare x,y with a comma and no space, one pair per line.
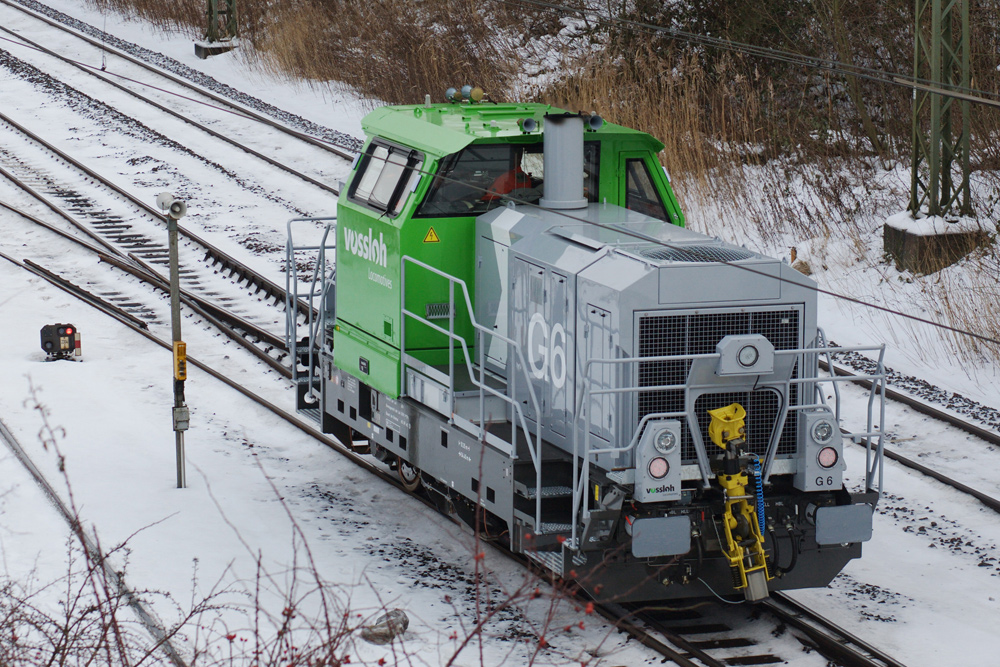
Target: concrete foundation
925,246
205,49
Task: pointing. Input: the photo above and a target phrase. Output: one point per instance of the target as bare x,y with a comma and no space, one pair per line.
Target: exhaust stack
563,162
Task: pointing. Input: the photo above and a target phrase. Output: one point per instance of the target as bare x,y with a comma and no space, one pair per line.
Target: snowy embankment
254,481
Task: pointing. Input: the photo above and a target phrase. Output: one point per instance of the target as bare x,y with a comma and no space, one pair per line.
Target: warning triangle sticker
432,236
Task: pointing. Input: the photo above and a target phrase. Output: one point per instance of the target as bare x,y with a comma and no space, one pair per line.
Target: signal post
175,209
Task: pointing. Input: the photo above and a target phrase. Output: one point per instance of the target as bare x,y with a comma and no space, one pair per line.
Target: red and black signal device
60,341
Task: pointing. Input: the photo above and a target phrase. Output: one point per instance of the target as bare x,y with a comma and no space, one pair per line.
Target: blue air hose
759,475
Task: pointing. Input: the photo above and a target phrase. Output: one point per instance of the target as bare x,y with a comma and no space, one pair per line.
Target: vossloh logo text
366,247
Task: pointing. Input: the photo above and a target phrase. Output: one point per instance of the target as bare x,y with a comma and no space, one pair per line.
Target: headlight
822,432
665,442
658,468
827,457
748,356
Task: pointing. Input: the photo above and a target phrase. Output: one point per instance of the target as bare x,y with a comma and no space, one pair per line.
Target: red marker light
69,331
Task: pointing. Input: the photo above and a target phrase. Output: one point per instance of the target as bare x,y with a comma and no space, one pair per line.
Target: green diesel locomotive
508,310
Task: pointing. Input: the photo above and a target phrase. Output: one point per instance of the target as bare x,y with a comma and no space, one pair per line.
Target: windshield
482,177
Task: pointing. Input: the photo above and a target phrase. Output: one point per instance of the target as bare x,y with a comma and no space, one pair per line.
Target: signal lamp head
827,457
665,442
822,432
658,468
748,356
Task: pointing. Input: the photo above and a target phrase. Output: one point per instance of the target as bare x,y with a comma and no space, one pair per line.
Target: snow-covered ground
261,491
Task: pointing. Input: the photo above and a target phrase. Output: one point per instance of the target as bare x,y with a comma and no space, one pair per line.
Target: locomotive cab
523,327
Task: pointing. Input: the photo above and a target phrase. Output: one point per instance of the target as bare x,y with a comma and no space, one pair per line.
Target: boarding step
550,525
553,560
557,475
531,492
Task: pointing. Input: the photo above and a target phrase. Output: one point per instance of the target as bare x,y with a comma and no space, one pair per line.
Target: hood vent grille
697,253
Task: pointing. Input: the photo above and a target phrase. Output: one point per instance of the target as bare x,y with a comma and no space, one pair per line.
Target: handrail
822,343
586,394
315,325
513,348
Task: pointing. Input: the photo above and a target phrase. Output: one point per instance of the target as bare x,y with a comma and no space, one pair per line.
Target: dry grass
391,50
775,153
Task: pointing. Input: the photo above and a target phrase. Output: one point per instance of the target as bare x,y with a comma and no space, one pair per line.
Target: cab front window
484,176
386,175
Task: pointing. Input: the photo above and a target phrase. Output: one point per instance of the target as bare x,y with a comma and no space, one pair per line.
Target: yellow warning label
432,236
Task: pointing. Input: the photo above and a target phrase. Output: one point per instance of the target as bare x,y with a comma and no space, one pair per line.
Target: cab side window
387,173
640,191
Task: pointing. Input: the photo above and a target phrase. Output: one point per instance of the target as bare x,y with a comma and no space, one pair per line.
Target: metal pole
180,410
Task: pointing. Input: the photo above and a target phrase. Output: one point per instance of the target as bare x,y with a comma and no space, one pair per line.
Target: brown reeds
775,153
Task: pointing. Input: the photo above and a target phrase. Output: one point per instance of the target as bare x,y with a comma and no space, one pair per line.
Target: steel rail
325,145
141,270
204,128
831,639
830,646
947,418
153,626
217,256
622,618
107,245
989,436
84,295
232,325
989,501
679,640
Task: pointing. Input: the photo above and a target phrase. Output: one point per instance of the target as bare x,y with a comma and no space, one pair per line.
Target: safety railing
872,438
317,315
518,418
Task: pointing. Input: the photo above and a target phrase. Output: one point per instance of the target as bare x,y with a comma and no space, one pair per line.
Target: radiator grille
697,253
664,335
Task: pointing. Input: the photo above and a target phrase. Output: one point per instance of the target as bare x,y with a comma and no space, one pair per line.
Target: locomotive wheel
408,475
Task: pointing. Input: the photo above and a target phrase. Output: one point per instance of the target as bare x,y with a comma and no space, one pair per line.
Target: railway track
337,143
106,45
103,294
130,239
709,634
942,416
75,200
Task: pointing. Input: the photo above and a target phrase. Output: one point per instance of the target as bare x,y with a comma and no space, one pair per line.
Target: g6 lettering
547,350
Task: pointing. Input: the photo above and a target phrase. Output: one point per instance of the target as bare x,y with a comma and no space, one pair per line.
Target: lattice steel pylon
221,20
941,57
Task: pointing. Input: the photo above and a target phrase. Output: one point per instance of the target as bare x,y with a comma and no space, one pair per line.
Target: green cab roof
443,129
